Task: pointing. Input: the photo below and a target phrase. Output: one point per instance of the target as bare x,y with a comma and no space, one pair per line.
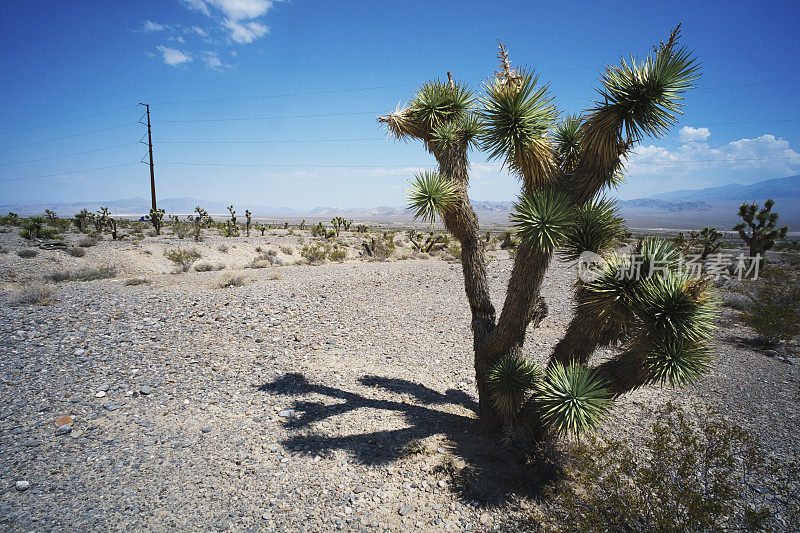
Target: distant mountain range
715,206
775,188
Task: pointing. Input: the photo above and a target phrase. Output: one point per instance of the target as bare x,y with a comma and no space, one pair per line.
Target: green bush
775,313
182,258
337,254
313,253
708,475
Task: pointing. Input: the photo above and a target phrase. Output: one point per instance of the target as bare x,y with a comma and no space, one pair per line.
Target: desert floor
338,396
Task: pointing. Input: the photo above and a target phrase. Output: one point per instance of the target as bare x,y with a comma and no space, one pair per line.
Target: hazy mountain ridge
676,209
788,187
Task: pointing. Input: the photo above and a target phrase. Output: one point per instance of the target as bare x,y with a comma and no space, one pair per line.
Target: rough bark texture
462,223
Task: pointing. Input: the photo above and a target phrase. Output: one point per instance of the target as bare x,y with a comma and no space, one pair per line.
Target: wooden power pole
150,147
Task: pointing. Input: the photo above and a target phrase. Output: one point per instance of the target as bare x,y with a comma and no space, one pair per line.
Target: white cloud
237,16
149,26
242,9
245,32
690,134
199,31
652,169
173,56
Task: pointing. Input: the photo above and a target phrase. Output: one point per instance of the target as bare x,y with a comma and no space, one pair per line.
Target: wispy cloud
245,32
239,17
173,56
149,26
230,23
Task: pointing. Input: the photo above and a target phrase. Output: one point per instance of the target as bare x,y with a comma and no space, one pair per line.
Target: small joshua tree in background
179,227
708,239
232,230
660,319
81,220
762,225
11,219
432,242
362,228
337,222
107,221
302,225
50,215
156,217
34,228
262,228
248,216
200,219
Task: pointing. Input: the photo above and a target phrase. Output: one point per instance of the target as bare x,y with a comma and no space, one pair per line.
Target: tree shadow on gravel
494,468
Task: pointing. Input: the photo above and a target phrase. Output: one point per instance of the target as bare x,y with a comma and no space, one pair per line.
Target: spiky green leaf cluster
674,306
646,95
573,399
677,362
440,114
542,218
510,379
516,117
430,193
567,137
595,229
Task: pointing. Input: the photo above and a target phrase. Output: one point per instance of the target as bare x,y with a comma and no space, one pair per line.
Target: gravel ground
339,396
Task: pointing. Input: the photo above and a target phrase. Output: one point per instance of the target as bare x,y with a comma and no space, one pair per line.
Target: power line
67,137
293,165
68,173
69,155
68,120
275,141
275,117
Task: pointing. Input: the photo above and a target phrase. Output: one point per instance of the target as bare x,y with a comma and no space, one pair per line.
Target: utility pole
150,147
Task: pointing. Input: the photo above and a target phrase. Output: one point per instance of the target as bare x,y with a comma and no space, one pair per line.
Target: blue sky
235,84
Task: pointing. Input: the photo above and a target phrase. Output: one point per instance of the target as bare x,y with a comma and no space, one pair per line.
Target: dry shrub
137,281
231,280
76,252
688,475
208,267
84,274
27,253
35,294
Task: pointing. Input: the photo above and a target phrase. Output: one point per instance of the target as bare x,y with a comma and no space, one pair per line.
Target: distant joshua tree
661,320
762,224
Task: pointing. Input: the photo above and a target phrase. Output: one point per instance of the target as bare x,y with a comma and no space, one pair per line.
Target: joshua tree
302,225
249,218
431,241
200,219
708,239
34,228
232,230
107,221
156,217
763,227
50,215
660,319
179,227
80,219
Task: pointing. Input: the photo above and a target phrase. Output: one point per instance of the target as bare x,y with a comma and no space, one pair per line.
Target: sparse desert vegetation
342,374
